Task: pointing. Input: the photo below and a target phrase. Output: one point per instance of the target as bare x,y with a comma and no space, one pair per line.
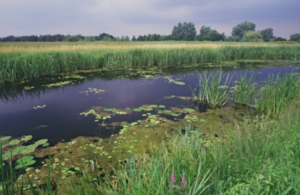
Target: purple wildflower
172,177
183,181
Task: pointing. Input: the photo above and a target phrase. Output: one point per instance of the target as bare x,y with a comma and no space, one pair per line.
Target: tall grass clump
245,89
278,93
213,88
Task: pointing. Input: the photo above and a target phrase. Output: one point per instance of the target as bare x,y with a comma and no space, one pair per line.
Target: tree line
242,32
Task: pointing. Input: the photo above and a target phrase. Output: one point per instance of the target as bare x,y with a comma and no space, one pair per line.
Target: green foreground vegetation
257,156
17,66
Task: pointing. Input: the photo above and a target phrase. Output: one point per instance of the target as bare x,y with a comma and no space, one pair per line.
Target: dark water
61,119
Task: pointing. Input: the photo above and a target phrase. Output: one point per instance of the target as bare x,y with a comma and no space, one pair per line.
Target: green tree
90,38
103,35
184,32
295,37
252,36
280,39
207,34
241,28
133,38
232,39
267,34
72,38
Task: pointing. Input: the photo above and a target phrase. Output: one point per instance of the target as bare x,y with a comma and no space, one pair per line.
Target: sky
142,17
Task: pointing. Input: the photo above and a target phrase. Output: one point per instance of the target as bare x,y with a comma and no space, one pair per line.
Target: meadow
27,61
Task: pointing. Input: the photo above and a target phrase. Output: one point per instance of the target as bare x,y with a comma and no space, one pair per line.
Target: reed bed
277,92
17,66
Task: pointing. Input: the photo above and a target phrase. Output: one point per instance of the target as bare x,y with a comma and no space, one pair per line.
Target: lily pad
41,142
2,139
24,162
26,138
161,106
14,142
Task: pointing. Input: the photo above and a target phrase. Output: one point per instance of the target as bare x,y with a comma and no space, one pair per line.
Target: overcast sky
139,17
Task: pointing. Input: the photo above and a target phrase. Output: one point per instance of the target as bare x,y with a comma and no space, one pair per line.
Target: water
61,119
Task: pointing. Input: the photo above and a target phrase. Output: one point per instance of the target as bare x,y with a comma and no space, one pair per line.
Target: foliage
72,39
279,94
295,37
240,29
207,34
280,39
245,89
90,38
105,37
213,89
267,34
232,39
133,38
184,32
252,36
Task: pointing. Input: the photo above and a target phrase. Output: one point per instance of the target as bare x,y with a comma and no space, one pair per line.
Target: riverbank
28,61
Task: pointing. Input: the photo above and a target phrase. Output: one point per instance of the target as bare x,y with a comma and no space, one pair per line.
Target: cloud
133,17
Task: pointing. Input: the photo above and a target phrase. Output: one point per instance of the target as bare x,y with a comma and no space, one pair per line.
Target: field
28,47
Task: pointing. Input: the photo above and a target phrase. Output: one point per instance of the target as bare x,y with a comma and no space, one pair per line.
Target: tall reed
245,89
213,88
16,66
279,93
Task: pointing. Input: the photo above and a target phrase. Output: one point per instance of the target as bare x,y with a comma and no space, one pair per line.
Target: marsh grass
213,89
278,93
245,89
16,65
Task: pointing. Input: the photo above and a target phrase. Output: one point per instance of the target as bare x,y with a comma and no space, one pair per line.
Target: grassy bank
36,61
258,157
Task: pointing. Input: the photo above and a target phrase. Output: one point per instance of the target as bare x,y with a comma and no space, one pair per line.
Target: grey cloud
132,17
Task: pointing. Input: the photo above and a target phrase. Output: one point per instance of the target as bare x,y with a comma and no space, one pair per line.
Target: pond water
56,112
103,117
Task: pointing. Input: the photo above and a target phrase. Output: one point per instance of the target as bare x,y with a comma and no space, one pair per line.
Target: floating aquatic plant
39,107
25,162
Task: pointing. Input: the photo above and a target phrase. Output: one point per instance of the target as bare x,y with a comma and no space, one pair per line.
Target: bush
252,36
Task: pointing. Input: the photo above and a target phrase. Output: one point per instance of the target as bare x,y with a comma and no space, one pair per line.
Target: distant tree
207,34
102,35
184,32
241,28
90,38
280,39
295,37
141,38
1,39
133,38
232,39
267,34
72,38
9,38
252,36
165,37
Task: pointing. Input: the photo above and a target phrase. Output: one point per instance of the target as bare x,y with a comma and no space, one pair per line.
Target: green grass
212,90
245,89
17,66
279,93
